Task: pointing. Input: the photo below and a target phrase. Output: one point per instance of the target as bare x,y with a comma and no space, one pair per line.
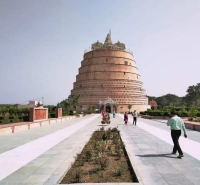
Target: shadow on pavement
168,155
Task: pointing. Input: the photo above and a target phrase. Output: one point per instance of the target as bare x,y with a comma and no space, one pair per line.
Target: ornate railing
110,48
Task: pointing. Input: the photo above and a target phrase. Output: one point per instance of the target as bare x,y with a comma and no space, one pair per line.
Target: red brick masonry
37,114
58,112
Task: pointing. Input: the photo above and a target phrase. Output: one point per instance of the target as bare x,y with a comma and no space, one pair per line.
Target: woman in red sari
126,118
102,113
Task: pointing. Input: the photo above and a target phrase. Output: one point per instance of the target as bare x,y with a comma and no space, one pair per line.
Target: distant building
108,79
30,105
153,104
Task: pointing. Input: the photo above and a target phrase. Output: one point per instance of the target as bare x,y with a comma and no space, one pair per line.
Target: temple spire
108,39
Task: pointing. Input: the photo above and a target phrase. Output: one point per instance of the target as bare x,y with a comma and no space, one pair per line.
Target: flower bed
103,159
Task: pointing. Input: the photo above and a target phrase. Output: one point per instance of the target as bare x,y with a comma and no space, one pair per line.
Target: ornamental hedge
181,113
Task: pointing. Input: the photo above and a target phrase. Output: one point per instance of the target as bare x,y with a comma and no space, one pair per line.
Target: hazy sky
42,43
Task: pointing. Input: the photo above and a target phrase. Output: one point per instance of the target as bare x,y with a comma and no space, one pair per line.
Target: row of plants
192,113
13,119
103,159
67,113
22,117
14,111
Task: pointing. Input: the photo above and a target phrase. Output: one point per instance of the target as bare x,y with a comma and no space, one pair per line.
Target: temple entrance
108,105
108,108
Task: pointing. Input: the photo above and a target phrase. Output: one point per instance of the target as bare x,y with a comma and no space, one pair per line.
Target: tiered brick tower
108,79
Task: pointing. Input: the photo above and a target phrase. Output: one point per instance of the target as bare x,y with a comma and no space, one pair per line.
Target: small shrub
78,175
104,137
6,120
80,159
115,129
25,118
198,119
190,119
183,113
198,114
102,129
15,120
71,112
104,162
95,145
100,176
118,150
53,115
88,155
120,171
166,113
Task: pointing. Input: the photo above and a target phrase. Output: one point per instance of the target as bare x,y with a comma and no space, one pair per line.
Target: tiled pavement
149,153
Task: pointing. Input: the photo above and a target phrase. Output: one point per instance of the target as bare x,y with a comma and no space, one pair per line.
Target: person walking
176,125
102,113
113,114
126,118
135,115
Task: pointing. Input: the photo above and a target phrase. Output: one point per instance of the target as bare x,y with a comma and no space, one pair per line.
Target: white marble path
42,155
22,155
187,145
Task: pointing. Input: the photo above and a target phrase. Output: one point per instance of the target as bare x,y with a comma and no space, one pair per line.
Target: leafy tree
193,95
73,101
192,112
129,107
168,99
89,109
64,105
4,110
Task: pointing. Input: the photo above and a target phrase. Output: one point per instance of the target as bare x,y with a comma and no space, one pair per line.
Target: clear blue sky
42,43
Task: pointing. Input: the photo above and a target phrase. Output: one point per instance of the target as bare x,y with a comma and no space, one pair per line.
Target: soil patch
102,160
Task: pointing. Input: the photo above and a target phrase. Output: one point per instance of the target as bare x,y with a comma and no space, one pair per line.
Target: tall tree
193,95
129,107
73,101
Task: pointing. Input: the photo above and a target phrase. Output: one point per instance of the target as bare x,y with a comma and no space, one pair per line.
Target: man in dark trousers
176,125
135,115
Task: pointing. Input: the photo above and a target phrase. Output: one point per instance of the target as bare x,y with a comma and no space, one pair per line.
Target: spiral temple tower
108,79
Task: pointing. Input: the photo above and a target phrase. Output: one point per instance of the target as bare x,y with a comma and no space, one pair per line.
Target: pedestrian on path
126,118
113,114
135,115
176,125
102,113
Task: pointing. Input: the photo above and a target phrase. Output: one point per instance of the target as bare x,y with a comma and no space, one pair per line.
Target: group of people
176,125
134,114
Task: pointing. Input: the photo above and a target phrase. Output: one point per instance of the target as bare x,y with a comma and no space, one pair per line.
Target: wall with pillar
38,114
58,112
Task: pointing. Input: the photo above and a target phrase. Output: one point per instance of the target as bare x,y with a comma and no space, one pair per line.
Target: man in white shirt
176,125
135,115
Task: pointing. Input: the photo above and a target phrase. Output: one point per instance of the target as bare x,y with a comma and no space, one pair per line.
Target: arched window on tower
125,62
80,86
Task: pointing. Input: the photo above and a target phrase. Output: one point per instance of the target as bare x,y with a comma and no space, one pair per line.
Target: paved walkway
41,156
